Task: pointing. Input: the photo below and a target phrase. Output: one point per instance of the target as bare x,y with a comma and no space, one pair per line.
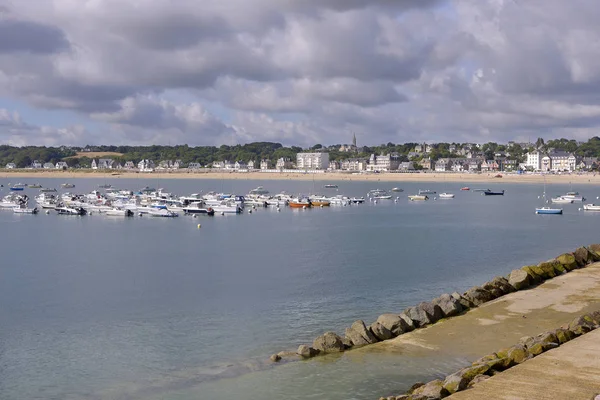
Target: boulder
415,387
582,256
547,337
455,383
329,342
485,359
424,314
560,269
564,335
275,357
393,323
517,354
307,351
347,343
528,341
477,379
432,390
568,261
532,271
465,303
381,332
471,372
494,290
519,279
410,324
359,334
594,252
547,269
595,316
478,295
581,325
503,284
449,305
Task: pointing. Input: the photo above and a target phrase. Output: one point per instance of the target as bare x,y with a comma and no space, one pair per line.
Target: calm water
147,308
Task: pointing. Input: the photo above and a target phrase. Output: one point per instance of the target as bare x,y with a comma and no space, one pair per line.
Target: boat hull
293,204
490,193
553,211
591,207
418,198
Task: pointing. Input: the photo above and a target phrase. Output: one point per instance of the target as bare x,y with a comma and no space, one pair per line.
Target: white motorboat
227,207
119,212
575,196
23,209
396,189
259,191
591,207
382,197
418,197
357,200
162,212
446,196
67,185
64,210
561,200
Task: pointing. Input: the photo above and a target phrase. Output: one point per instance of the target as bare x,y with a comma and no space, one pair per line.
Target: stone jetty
390,326
490,365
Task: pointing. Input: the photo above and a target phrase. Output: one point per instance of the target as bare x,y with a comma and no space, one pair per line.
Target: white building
354,164
146,166
312,160
283,163
558,160
61,165
11,165
251,164
264,164
534,160
388,162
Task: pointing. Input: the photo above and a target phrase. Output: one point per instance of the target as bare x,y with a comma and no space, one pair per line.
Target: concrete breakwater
492,364
389,326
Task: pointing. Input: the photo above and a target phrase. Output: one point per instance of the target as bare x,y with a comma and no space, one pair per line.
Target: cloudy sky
206,72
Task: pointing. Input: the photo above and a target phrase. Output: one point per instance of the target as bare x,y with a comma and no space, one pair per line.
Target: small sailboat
546,209
561,200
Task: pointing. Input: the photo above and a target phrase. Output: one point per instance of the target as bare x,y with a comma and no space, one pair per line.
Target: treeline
24,156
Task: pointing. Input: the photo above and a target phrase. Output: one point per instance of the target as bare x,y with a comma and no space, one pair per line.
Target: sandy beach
465,178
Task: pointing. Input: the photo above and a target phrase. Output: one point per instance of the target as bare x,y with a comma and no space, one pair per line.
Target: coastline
463,178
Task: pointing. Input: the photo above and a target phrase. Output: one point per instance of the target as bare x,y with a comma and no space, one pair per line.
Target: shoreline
464,178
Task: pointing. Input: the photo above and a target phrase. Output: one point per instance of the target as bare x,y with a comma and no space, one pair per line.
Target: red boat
465,188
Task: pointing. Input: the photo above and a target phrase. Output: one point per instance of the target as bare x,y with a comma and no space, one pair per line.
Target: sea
99,307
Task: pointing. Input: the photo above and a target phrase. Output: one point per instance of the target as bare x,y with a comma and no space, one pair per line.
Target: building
387,162
284,163
489,166
558,160
48,165
240,165
473,165
588,164
426,163
194,165
443,165
61,165
103,163
354,164
129,165
346,148
146,165
251,164
312,160
406,166
264,164
36,164
534,160
11,165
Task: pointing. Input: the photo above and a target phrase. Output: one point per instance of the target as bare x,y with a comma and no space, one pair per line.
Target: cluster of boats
158,203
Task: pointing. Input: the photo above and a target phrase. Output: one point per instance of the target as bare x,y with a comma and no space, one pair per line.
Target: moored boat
561,200
198,210
493,193
397,189
67,185
426,191
575,196
548,210
162,212
64,210
446,196
418,197
119,212
465,188
17,188
591,207
330,186
23,209
47,190
300,203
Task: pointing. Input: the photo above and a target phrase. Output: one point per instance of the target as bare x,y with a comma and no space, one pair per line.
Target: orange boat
320,203
300,203
465,188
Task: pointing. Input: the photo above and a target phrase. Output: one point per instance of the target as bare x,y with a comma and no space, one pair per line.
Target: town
555,156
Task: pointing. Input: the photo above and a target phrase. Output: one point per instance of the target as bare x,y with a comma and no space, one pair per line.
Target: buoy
396,200
90,213
254,207
321,205
249,211
140,214
579,208
199,226
47,211
278,209
195,216
222,212
375,202
304,207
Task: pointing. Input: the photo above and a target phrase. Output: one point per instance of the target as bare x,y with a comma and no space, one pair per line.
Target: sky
298,72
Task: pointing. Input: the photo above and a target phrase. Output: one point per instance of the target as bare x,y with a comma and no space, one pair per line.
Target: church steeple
354,140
